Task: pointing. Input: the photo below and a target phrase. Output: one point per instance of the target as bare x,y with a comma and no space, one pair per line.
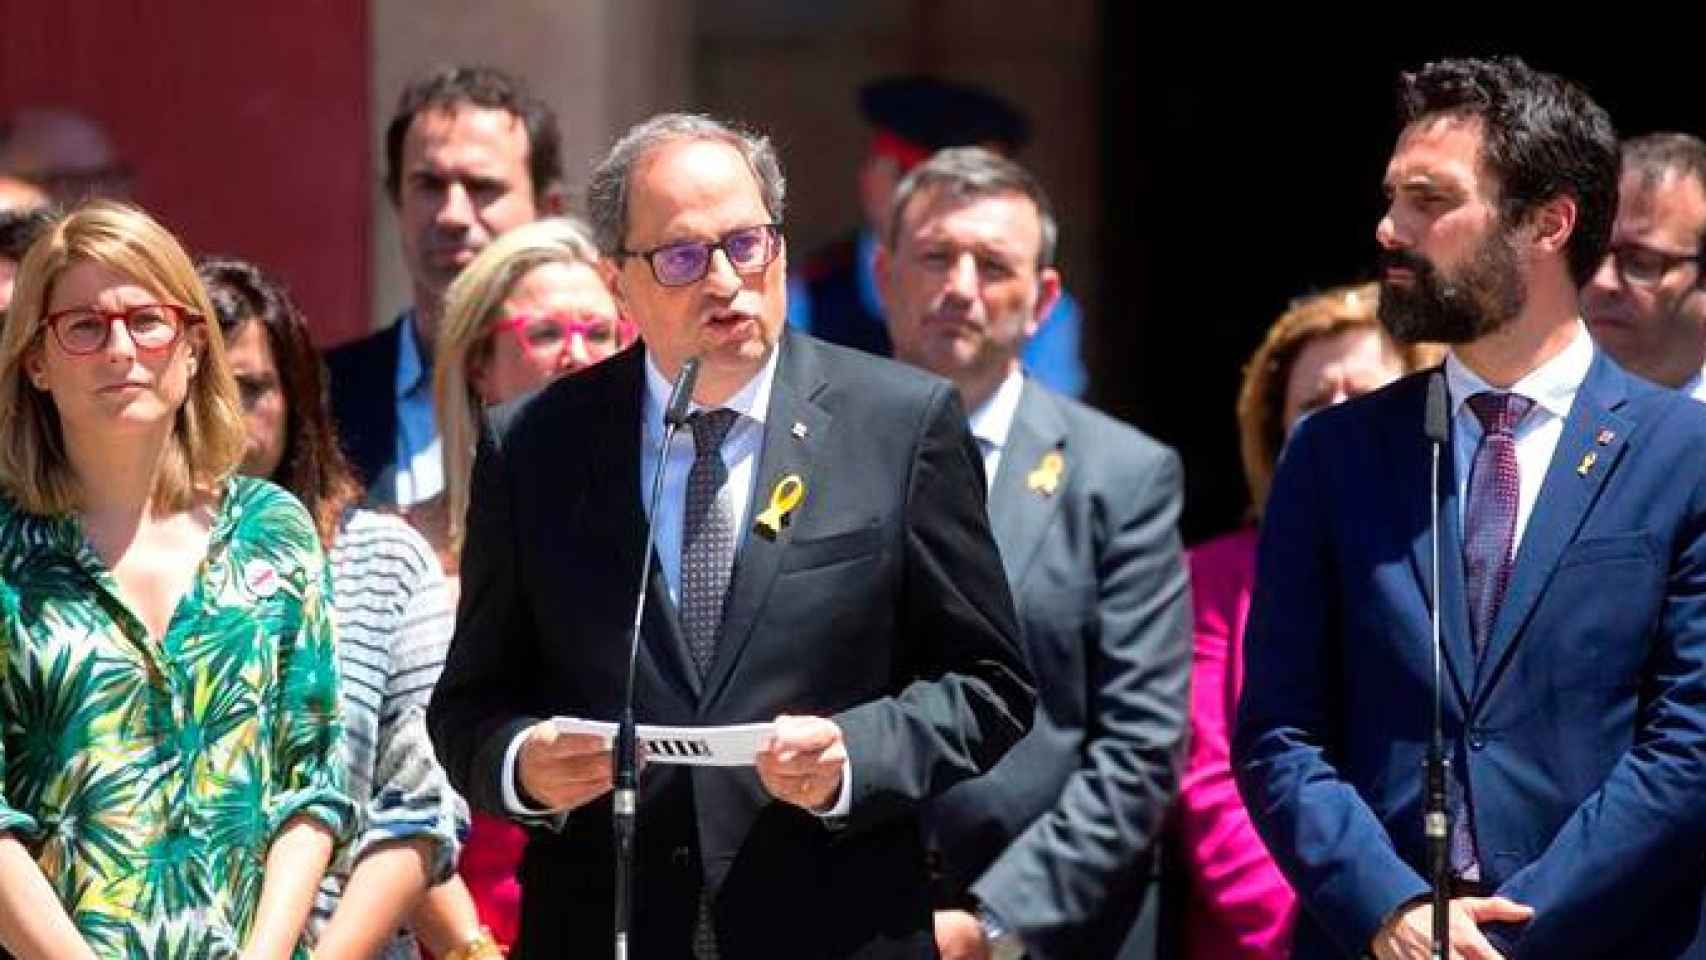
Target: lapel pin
785,497
1587,463
1044,478
799,430
1604,436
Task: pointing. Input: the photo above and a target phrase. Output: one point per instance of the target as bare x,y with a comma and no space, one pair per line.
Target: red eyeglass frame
577,324
183,317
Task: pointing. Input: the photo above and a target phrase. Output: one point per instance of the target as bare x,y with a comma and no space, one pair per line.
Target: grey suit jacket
1059,839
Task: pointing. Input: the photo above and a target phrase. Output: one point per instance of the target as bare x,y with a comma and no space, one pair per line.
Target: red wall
246,123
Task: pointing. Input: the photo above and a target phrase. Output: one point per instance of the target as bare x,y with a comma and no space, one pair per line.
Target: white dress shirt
1552,386
741,450
992,421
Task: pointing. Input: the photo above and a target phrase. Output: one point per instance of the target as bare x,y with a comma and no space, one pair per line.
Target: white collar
992,421
1552,385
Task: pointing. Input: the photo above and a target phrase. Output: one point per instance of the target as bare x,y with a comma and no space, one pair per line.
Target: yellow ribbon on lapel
784,498
1044,479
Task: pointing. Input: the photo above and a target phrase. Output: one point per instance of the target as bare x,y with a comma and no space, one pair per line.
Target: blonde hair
1261,399
464,338
207,437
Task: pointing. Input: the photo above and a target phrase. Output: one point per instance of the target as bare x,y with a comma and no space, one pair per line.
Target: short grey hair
974,173
607,191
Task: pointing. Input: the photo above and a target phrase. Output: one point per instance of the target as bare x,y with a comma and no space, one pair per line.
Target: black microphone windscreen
1436,422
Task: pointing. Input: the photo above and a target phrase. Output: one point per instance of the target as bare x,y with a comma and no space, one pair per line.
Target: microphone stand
626,799
1436,813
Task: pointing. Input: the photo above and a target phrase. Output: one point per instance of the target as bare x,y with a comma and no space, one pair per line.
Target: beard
1483,297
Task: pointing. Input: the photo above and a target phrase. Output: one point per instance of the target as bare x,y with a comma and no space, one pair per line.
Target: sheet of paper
728,746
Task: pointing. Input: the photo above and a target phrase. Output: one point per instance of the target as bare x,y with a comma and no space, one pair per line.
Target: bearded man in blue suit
1572,581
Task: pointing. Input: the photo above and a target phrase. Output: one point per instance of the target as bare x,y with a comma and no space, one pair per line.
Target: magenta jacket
1239,906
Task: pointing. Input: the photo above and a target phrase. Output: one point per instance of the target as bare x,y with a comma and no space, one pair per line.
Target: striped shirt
394,623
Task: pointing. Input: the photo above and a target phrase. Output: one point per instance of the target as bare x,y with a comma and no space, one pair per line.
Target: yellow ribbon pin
1044,479
1587,463
784,498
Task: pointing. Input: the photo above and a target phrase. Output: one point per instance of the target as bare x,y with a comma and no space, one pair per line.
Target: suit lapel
616,505
1019,512
384,381
371,437
1566,495
786,451
1411,457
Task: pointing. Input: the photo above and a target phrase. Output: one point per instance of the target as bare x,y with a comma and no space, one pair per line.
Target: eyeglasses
551,333
152,326
1640,266
749,249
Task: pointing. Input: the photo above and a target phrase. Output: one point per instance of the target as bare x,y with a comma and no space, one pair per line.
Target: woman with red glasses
533,306
170,768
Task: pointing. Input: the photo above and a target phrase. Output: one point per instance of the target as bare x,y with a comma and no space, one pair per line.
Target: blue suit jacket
1580,729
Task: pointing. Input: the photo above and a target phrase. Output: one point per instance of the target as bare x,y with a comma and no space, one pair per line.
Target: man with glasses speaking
824,563
1646,305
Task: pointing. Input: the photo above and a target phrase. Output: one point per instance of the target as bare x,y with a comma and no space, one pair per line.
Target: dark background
1241,179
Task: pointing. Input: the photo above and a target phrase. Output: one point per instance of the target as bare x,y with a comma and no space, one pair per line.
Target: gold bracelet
481,946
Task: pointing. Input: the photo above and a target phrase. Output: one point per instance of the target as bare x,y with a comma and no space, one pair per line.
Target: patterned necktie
707,537
707,562
1489,532
1489,521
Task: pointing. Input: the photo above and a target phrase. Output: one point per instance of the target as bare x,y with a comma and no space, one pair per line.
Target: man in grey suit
1053,854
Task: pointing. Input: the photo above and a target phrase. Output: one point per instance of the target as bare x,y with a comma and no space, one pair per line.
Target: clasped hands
1408,933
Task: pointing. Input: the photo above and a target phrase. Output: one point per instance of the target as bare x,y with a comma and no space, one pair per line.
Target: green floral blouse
147,779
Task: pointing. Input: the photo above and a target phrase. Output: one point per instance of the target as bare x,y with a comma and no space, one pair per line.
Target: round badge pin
262,578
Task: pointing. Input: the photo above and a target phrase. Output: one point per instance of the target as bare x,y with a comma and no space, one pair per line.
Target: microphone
1437,421
1436,816
680,397
626,780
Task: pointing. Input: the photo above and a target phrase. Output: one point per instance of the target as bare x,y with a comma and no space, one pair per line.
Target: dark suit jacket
364,398
882,605
1058,840
1580,729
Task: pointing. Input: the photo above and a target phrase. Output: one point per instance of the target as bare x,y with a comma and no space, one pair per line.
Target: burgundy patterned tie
1489,532
1489,521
